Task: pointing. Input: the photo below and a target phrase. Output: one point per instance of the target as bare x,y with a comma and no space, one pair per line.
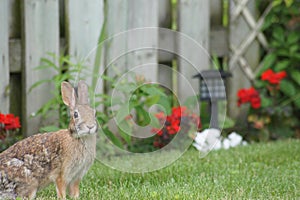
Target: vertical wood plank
4,57
193,21
132,17
41,36
143,14
116,43
84,23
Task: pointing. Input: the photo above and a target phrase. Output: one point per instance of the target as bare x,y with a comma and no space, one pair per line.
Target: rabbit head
83,122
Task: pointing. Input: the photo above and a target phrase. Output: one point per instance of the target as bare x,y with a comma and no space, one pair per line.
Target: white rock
235,139
200,138
218,145
226,143
197,146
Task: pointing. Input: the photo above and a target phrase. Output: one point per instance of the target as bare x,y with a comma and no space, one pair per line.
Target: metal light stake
212,89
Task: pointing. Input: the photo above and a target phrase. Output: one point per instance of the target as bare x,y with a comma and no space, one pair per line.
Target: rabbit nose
90,126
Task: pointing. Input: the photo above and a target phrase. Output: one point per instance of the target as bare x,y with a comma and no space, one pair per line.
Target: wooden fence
32,28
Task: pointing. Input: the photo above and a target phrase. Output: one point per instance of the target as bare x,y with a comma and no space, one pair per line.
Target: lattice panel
240,9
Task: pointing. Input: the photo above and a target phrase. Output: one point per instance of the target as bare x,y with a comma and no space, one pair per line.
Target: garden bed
256,171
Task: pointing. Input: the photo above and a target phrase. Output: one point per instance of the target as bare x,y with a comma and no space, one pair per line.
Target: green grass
257,171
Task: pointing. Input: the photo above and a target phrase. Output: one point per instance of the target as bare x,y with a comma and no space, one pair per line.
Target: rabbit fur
61,157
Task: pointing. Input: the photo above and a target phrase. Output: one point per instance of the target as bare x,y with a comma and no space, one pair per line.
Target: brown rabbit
62,157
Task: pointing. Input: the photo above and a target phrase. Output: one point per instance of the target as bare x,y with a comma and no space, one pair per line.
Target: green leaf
228,123
50,63
125,131
294,48
265,102
282,65
259,84
292,38
143,116
38,83
278,33
276,3
151,100
49,129
283,52
296,76
275,44
153,90
288,3
269,61
297,102
114,139
287,88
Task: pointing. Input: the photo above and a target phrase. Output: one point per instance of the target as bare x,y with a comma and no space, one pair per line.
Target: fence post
4,59
193,21
40,36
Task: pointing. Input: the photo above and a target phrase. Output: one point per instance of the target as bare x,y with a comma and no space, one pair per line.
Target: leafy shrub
268,115
282,28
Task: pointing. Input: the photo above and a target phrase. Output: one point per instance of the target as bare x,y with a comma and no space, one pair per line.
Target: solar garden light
212,88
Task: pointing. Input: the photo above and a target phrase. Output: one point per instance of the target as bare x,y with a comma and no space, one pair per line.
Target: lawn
257,171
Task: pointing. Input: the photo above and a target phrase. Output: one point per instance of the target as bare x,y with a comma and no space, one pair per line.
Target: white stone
235,139
226,143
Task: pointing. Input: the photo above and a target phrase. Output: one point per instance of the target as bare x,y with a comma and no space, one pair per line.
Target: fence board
4,58
83,31
41,36
194,21
116,45
142,14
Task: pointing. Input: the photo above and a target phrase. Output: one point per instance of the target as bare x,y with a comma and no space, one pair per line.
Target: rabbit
61,157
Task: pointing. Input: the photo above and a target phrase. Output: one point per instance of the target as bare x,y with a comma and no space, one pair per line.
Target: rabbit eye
75,114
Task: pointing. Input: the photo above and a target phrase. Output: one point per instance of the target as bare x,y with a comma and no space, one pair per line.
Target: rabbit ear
83,93
68,94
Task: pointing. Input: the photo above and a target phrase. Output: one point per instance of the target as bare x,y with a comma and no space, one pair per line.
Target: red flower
267,75
178,111
249,96
179,119
255,102
272,77
10,121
